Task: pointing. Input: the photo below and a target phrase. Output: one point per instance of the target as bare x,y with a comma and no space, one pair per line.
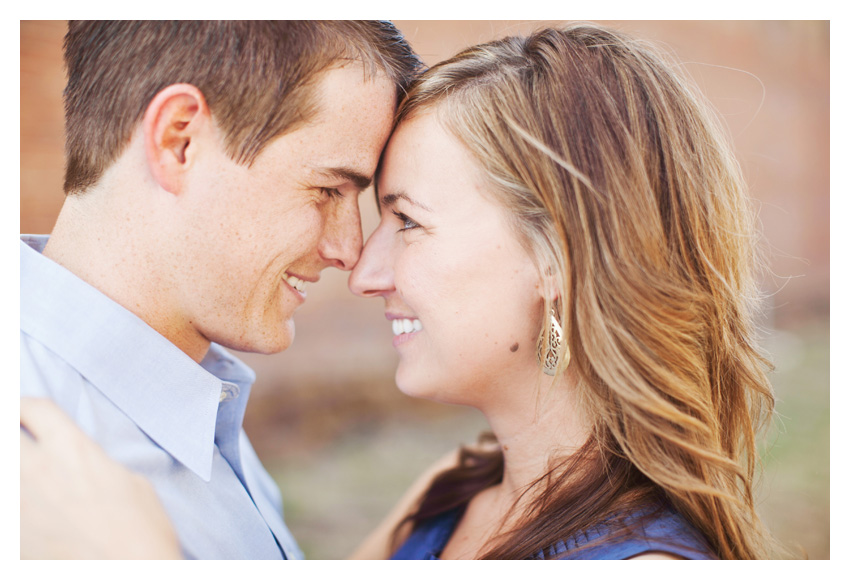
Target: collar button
229,391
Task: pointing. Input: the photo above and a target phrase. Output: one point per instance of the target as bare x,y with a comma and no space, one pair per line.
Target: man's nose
343,238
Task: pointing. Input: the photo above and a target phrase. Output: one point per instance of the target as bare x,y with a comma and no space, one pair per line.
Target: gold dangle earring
549,352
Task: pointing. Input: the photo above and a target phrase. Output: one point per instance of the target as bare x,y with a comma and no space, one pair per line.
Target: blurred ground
325,416
796,479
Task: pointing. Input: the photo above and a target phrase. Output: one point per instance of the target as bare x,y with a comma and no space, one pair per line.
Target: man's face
258,235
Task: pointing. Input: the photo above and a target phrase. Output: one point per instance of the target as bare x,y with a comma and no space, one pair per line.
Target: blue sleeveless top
663,530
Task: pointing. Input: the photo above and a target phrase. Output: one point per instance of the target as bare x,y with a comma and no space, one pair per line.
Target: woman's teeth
405,325
296,283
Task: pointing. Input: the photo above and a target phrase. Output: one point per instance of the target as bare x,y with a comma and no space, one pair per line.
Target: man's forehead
350,89
349,127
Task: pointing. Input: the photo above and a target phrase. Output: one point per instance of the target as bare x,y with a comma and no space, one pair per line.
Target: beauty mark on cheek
515,347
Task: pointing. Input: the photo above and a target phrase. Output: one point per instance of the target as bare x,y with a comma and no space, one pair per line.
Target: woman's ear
550,284
172,126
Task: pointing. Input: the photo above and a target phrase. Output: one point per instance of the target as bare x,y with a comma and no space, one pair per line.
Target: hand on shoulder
78,503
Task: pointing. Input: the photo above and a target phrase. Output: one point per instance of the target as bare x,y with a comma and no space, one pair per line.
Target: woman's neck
534,428
535,431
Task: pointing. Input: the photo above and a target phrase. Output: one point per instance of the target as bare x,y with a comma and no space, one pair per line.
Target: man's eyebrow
361,180
390,199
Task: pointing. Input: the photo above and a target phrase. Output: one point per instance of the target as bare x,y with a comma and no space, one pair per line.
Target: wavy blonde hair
623,184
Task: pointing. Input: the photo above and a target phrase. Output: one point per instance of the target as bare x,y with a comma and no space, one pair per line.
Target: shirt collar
173,399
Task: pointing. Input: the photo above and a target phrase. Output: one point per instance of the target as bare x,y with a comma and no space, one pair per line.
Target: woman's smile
404,327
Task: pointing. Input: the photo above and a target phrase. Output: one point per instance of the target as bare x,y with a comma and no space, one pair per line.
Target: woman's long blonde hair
622,183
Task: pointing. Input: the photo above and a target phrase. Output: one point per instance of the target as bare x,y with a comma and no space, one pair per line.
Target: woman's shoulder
656,530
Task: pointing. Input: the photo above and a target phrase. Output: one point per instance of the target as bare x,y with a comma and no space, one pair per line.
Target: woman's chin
415,389
420,388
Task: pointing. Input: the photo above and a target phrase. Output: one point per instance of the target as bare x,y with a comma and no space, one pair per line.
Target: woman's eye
407,223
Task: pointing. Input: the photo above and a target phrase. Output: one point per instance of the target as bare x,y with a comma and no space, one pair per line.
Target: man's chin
264,341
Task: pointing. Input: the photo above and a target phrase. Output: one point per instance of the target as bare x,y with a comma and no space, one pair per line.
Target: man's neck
109,245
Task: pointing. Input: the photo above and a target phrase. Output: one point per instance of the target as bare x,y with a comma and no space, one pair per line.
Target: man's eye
407,223
331,192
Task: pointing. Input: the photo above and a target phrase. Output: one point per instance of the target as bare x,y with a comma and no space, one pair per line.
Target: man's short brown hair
256,77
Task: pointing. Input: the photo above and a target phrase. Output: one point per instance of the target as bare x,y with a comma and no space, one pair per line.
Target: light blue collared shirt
154,409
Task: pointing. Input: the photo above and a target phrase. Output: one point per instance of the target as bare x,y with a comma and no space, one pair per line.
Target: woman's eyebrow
391,198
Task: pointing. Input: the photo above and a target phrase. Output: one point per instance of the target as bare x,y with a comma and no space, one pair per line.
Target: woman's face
462,294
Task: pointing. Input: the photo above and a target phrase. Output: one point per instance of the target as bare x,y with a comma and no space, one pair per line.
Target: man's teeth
296,283
405,325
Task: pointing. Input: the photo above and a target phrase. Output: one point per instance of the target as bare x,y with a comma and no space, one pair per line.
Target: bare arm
76,502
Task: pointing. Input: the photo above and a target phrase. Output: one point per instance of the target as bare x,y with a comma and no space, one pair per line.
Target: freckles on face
254,228
253,231
247,304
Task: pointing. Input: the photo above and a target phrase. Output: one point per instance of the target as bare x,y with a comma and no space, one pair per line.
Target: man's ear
172,125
